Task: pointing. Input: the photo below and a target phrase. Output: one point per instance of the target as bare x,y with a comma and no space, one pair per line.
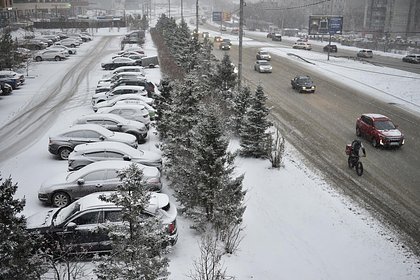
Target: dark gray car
63,143
116,123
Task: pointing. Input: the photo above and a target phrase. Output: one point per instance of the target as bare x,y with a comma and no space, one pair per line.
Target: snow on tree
20,257
216,196
140,243
163,103
253,131
9,58
225,78
241,101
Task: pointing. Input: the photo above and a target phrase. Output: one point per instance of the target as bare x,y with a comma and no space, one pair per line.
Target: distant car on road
263,66
63,143
412,58
302,46
330,48
263,55
365,54
379,130
303,84
276,37
224,46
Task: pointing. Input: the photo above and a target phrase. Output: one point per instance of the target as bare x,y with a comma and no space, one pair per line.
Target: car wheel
64,152
358,133
57,58
374,142
350,162
38,58
60,199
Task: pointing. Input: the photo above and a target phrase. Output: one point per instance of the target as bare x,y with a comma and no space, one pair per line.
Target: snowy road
319,125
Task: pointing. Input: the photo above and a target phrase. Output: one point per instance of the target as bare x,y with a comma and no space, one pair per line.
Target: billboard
322,25
219,16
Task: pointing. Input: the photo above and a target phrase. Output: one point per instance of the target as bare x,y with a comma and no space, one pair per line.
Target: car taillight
172,228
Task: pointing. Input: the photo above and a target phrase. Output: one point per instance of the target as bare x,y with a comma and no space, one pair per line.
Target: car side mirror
127,158
119,125
396,125
71,226
101,138
80,182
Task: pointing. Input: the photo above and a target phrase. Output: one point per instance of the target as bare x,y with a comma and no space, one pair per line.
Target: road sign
217,16
322,25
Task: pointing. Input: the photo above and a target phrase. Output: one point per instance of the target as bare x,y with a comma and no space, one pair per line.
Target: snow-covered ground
296,225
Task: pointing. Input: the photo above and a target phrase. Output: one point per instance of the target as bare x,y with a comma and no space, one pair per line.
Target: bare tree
209,266
275,149
232,237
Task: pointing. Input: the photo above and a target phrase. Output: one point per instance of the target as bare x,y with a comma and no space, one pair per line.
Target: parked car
303,84
118,62
63,143
32,45
117,124
63,188
263,55
379,130
50,54
15,75
85,154
412,58
148,86
139,69
365,54
136,49
276,37
330,48
5,88
63,48
120,90
11,80
150,109
129,111
302,46
224,46
263,66
70,42
78,226
130,96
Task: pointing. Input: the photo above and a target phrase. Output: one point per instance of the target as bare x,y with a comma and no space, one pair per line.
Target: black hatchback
330,48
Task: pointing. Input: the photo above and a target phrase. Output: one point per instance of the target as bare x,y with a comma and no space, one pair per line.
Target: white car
64,48
50,54
129,111
120,90
139,69
130,96
302,46
70,42
132,49
108,80
85,154
263,66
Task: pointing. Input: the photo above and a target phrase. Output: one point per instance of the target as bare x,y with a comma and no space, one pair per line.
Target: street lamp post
241,27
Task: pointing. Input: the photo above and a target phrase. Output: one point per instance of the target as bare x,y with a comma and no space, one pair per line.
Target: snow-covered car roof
376,116
125,106
108,145
139,88
98,116
95,127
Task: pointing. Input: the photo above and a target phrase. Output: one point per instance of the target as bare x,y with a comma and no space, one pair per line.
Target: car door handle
99,185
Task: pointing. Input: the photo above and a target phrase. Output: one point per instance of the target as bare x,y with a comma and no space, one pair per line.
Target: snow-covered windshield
384,125
66,212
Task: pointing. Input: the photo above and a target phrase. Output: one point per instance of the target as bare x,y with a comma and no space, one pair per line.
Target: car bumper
44,197
53,149
388,143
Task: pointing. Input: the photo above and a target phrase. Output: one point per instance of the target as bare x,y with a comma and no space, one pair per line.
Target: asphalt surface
320,125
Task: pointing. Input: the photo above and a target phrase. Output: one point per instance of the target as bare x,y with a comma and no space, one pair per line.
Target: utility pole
196,18
169,12
241,32
182,11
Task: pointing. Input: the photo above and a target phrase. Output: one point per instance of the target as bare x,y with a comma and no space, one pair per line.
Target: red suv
380,130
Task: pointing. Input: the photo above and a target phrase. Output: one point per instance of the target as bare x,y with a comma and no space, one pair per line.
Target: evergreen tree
163,103
253,130
9,58
138,245
241,103
225,78
19,258
216,197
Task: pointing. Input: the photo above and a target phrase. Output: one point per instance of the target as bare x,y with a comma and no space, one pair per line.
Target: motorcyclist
356,146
